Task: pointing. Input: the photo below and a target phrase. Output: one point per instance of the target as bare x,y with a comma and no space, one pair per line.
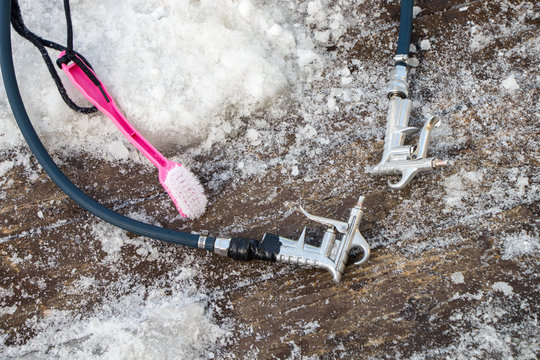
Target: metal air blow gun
331,255
398,158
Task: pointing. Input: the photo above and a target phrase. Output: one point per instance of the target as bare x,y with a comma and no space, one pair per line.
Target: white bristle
186,191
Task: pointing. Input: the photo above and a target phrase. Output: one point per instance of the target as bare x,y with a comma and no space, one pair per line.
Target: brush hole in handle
149,150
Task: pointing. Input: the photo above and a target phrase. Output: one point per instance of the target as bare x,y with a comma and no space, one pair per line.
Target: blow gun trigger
360,243
406,176
340,226
425,135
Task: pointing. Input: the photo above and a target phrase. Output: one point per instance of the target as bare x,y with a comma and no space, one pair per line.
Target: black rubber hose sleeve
249,249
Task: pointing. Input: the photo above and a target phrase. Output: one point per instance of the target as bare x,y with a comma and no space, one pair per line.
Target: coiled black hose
242,249
50,167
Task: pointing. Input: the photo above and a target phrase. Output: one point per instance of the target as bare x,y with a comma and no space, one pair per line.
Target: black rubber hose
248,249
405,27
48,164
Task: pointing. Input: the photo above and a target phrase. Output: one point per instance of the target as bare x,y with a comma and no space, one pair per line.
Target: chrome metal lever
333,253
398,158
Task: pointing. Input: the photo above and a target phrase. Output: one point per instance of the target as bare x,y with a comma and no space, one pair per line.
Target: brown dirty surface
440,247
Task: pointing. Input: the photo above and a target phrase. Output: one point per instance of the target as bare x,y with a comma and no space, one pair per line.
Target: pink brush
182,186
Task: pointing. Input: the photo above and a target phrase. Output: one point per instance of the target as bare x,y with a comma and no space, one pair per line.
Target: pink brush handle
109,108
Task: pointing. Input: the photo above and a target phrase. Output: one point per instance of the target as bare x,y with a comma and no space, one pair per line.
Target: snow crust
170,318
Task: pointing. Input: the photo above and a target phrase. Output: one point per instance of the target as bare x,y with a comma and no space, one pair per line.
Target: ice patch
458,187
457,278
455,191
479,40
311,327
522,183
425,45
8,310
510,83
307,132
253,136
112,239
503,287
5,167
520,244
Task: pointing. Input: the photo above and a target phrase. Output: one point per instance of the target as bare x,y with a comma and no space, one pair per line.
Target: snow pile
173,317
146,324
200,66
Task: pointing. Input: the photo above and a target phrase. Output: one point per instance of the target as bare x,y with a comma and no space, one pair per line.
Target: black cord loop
71,55
48,164
41,44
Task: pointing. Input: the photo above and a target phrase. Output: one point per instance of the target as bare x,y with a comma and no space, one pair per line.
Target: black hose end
405,27
249,249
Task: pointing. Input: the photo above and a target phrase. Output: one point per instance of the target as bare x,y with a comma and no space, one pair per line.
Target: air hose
237,248
405,27
271,248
